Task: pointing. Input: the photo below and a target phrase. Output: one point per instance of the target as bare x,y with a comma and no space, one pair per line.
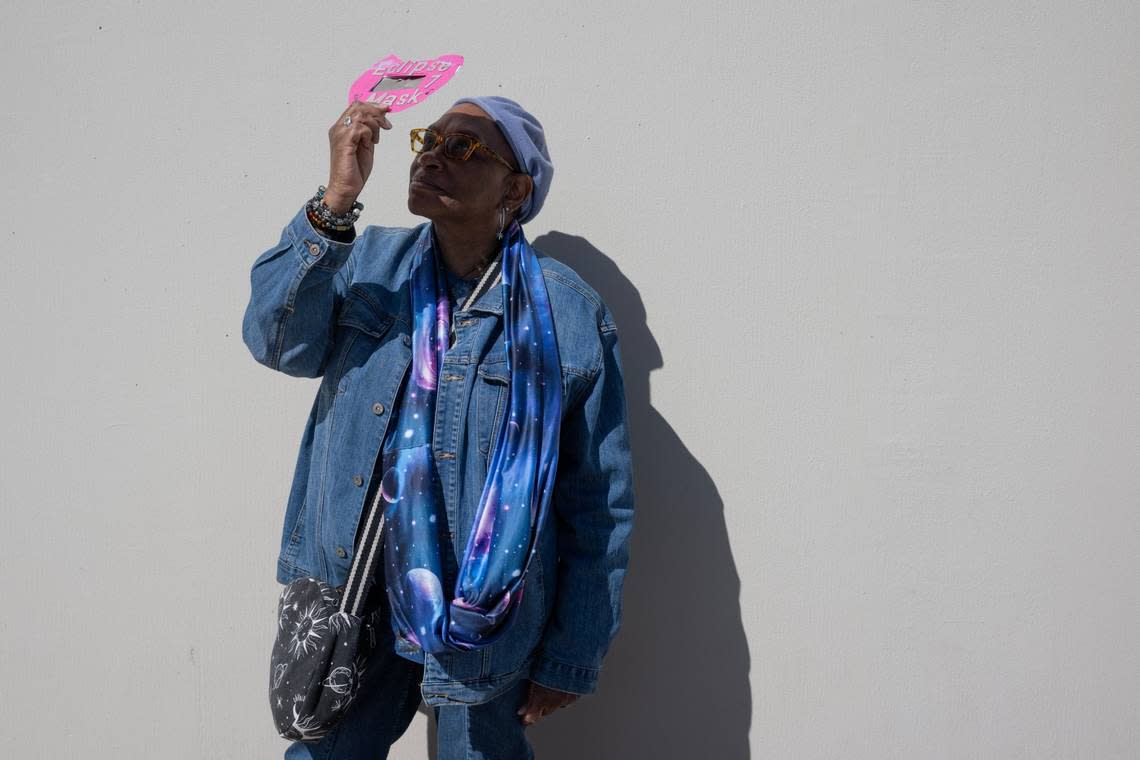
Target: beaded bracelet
323,216
321,225
341,236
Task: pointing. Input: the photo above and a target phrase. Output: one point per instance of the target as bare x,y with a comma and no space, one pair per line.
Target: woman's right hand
351,152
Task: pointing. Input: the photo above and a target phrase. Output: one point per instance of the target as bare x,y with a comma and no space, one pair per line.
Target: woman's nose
430,156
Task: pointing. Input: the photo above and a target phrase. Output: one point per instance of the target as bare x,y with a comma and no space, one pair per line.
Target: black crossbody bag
324,639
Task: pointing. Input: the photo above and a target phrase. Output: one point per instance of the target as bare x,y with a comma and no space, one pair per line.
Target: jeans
387,700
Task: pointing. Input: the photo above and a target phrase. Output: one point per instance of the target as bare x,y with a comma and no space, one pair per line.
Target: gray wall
875,271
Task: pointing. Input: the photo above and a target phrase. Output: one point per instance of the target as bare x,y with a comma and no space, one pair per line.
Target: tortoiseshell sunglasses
456,146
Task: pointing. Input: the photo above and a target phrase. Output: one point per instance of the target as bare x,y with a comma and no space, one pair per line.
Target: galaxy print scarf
515,499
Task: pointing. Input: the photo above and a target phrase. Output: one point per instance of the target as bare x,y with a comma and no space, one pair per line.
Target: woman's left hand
541,701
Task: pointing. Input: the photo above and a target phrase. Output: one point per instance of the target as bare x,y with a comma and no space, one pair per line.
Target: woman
463,373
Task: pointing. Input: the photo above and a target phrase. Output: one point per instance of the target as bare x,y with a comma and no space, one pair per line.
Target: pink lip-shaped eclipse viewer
401,84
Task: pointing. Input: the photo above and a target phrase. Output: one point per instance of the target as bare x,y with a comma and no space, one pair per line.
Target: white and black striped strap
364,563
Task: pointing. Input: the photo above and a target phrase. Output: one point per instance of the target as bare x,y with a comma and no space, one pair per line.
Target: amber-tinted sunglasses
456,145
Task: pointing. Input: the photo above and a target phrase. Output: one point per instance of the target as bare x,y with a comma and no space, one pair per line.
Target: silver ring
347,120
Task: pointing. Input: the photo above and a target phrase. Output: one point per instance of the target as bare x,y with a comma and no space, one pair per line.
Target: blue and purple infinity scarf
520,477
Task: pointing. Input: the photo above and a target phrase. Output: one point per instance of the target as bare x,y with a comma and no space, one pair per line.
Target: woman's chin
429,207
418,207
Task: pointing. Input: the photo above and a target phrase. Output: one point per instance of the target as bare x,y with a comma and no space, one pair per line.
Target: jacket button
407,340
358,480
340,552
377,408
314,249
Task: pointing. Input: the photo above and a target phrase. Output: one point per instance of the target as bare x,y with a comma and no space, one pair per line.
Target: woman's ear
519,191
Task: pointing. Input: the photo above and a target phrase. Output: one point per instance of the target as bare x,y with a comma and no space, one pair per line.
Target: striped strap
364,563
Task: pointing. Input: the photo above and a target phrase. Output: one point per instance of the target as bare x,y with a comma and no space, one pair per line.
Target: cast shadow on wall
675,683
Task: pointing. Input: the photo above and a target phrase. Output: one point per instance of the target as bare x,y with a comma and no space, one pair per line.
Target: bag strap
362,573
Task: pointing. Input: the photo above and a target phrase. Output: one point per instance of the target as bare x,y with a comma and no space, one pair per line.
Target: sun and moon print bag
323,641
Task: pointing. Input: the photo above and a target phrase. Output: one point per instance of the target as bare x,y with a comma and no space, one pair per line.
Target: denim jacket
341,311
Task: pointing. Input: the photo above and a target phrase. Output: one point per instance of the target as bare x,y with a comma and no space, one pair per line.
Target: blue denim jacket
341,312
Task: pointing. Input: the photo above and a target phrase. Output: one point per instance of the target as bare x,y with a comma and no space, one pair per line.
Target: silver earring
502,222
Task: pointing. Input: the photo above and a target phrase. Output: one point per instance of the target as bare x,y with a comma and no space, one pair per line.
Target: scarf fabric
515,498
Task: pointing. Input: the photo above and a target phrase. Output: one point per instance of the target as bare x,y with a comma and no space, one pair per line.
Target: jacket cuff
314,248
562,676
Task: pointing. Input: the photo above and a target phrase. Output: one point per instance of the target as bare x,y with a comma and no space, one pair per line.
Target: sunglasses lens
456,146
423,139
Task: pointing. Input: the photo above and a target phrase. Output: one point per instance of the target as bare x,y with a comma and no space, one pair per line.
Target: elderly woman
472,395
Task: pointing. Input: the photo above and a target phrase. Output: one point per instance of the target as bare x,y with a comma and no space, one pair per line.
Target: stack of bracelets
324,218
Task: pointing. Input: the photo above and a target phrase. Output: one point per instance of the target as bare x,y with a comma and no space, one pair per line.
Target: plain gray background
874,268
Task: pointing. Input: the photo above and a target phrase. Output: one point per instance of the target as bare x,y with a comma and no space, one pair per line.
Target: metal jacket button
377,408
358,480
314,249
340,552
407,340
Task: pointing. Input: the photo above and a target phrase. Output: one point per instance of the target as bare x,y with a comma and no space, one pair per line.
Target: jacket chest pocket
360,328
492,396
490,405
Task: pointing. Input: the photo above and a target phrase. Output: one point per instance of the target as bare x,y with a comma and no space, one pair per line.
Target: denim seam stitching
573,286
489,681
325,465
381,314
570,665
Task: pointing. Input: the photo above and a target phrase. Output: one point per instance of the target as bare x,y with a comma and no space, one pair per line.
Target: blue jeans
386,702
